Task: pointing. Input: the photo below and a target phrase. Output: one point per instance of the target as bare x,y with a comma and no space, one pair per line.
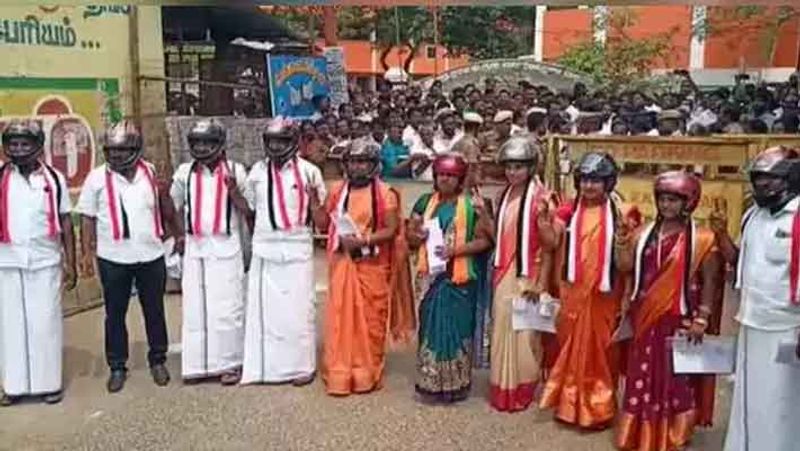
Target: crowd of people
454,271
412,125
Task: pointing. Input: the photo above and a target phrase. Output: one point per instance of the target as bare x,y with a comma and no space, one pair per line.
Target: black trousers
117,280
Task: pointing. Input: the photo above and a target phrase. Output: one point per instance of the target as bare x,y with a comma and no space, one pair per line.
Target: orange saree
661,409
366,296
581,384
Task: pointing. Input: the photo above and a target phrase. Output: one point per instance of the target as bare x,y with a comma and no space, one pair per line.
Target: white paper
787,353
435,239
346,226
540,316
624,330
716,355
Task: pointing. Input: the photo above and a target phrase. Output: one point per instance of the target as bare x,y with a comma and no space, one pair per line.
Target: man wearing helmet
581,385
35,229
280,335
677,273
766,400
368,268
123,213
449,293
521,270
206,193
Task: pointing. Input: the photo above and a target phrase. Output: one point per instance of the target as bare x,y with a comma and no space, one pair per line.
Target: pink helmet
680,183
450,164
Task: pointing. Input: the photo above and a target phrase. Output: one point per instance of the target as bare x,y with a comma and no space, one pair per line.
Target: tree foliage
623,60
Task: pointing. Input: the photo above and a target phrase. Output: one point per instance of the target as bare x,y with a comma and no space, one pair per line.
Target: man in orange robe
370,281
581,384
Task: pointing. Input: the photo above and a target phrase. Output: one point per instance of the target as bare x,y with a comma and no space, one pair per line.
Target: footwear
7,400
304,380
160,374
116,380
231,377
53,398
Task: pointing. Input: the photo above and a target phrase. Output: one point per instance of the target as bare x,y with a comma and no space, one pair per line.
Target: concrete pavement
208,416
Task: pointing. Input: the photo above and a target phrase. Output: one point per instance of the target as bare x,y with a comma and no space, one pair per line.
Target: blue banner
294,82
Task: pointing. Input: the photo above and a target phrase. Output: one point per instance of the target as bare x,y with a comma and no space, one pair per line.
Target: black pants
117,280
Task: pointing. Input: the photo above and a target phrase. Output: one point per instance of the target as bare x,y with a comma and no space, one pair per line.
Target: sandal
7,400
53,398
231,377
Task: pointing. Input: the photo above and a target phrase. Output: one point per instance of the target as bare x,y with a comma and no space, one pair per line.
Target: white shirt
137,196
411,137
207,244
422,149
765,300
31,247
281,245
442,144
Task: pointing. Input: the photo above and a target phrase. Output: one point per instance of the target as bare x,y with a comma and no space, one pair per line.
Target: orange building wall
359,56
735,44
563,29
672,20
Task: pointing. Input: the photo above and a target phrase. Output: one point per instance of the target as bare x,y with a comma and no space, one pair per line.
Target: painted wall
70,67
362,58
563,29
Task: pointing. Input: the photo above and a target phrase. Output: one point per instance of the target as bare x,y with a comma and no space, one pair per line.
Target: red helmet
450,164
681,183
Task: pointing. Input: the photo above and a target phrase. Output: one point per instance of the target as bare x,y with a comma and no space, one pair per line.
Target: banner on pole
294,82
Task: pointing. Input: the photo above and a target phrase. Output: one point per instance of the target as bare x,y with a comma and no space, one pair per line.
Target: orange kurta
357,308
581,384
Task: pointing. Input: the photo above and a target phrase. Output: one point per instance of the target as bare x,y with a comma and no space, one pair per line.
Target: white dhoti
31,327
280,343
765,412
213,316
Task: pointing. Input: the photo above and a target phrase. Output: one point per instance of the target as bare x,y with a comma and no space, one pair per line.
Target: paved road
210,417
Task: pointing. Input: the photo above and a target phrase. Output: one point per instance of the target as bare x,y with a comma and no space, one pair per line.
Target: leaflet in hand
715,355
539,316
346,226
435,239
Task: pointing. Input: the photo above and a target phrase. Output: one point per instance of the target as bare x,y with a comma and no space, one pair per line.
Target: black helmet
280,140
23,129
206,131
362,150
597,165
780,162
126,140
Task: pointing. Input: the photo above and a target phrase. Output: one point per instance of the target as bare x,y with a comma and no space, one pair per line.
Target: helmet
206,131
125,139
362,150
680,183
280,139
450,164
597,165
28,130
780,162
518,149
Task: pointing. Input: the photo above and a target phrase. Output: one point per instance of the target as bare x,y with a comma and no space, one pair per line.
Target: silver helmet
281,139
23,141
519,149
122,145
206,139
366,151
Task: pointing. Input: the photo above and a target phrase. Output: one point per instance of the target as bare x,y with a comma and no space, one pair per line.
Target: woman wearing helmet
447,280
206,192
766,399
123,213
677,270
581,384
521,266
368,264
37,258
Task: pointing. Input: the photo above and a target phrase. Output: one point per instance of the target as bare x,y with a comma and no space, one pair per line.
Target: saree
447,311
367,298
581,383
660,409
514,355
